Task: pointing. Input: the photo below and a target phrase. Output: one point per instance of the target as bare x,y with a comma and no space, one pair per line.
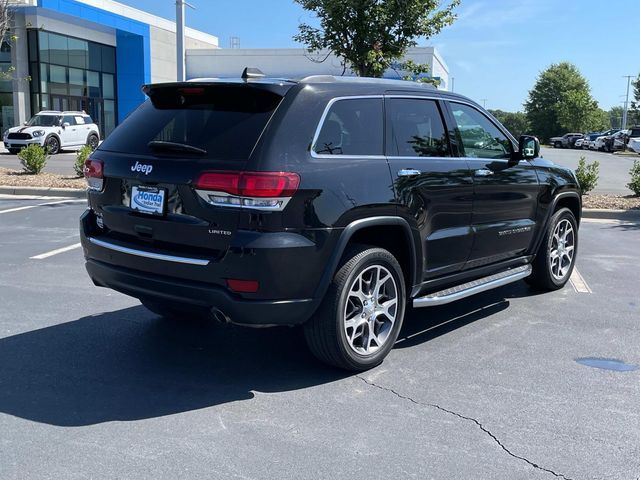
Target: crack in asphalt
470,419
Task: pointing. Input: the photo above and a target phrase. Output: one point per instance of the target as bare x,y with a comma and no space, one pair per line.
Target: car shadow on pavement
424,324
130,364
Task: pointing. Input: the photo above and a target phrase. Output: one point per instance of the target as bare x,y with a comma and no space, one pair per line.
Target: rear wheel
556,256
362,312
52,144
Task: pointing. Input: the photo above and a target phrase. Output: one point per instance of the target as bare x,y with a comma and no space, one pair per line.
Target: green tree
633,116
369,35
515,122
561,101
615,117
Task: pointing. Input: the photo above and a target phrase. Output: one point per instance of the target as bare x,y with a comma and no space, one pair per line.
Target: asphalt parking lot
92,385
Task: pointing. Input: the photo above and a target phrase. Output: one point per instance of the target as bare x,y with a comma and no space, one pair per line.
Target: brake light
94,174
243,286
250,184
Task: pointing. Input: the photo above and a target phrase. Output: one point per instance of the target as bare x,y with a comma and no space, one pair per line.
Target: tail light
94,174
258,190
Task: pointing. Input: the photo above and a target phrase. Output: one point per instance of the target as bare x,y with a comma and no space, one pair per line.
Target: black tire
326,333
557,145
52,144
542,276
176,311
13,151
93,141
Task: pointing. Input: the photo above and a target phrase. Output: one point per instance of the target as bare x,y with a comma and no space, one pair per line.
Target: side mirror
25,123
66,124
529,147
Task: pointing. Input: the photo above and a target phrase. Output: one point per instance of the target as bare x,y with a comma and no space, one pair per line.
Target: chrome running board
471,288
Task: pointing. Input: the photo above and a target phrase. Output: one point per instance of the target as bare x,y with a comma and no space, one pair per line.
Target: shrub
81,157
634,185
588,175
33,158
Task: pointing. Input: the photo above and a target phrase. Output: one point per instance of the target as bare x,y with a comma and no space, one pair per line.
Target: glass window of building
73,74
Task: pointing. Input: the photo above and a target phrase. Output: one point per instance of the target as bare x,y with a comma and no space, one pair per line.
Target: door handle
483,172
408,172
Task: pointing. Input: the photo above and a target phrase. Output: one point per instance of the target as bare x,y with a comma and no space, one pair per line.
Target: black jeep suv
336,203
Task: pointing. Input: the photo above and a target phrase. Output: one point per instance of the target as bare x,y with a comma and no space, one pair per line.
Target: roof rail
379,81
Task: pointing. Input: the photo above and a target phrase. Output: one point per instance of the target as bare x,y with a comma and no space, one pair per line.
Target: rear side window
635,132
480,137
223,121
415,129
352,127
69,119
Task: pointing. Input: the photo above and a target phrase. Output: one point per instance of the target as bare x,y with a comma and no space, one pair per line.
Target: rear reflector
250,184
243,286
94,174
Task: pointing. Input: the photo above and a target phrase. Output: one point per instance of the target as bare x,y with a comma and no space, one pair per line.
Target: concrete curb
44,191
611,214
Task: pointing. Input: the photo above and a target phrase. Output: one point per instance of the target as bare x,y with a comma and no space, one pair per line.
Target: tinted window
352,127
224,121
70,119
415,128
480,137
43,121
635,132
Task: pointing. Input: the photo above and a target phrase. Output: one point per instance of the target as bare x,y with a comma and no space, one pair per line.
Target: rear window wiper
175,147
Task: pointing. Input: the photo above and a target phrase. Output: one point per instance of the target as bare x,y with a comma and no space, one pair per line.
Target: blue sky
494,50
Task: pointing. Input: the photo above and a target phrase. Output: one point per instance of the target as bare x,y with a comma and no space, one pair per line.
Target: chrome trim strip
206,194
441,298
145,254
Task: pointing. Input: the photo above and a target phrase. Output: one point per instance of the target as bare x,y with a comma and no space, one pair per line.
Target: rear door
69,134
154,158
433,187
505,193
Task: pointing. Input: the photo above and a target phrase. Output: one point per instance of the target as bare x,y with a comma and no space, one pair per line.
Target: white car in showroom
55,131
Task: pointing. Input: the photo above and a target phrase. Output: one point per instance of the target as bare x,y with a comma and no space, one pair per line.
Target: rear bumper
153,287
288,275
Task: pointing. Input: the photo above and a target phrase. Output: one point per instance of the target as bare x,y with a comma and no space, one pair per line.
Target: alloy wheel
371,309
562,249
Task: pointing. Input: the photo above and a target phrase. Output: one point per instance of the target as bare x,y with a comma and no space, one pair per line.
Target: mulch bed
17,178
611,202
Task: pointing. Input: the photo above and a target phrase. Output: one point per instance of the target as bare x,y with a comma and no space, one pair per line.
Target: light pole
453,83
484,102
626,102
180,4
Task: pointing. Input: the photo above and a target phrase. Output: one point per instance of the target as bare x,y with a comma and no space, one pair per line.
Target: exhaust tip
220,316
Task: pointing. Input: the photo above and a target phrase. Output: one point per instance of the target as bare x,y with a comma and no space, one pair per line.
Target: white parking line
578,282
27,207
42,256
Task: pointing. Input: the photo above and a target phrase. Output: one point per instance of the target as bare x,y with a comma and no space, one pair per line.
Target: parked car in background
579,142
565,141
54,130
611,143
633,139
588,140
602,143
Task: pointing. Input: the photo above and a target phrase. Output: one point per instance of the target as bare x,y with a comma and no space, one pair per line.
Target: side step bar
471,288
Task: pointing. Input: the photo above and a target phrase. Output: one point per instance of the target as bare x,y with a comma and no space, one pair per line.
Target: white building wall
291,63
164,56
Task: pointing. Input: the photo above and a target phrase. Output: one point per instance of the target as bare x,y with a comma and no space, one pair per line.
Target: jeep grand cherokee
335,203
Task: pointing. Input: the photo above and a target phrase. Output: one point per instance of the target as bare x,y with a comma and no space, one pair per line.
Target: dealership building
94,55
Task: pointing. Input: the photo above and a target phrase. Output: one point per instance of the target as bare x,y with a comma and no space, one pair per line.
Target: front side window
415,129
352,127
480,137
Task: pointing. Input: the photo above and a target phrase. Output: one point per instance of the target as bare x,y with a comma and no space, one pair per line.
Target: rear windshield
224,121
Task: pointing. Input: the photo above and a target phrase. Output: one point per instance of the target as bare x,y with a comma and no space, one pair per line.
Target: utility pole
453,83
180,4
484,102
626,102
